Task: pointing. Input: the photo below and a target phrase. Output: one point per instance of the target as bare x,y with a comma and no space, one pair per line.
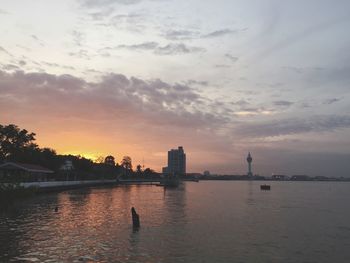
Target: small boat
265,187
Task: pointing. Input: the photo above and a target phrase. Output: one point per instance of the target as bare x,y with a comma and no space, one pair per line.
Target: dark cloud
115,97
323,123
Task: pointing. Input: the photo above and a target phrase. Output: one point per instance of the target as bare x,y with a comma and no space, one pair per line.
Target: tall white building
176,162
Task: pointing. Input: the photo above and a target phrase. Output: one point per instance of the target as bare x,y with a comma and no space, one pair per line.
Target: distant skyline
221,78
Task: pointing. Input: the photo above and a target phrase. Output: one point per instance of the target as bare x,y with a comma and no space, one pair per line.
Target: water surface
215,221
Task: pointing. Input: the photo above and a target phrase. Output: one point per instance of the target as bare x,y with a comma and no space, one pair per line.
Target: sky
220,78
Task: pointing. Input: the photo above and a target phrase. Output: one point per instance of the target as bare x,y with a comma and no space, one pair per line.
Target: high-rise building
176,162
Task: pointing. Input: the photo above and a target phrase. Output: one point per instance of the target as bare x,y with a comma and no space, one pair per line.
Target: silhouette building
249,160
176,162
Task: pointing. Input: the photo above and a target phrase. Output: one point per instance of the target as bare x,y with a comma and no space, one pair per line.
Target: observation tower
249,160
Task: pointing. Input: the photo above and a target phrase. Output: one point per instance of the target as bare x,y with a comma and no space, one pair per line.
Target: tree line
18,145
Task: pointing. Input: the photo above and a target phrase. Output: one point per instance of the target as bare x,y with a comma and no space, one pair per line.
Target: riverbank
65,185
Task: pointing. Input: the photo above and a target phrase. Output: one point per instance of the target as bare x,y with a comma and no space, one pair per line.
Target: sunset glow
140,77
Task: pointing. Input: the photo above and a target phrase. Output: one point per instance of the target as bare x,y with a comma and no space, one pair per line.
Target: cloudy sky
220,78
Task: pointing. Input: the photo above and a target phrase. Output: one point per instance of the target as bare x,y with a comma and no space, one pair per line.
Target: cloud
55,65
82,53
78,37
221,66
321,123
185,34
240,102
294,69
135,22
9,67
141,46
331,101
231,58
5,51
39,41
99,3
177,49
283,103
115,97
102,14
219,33
252,111
196,82
169,49
152,114
304,33
181,34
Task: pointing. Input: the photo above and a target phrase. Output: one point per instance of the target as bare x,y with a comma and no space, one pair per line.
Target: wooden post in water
135,218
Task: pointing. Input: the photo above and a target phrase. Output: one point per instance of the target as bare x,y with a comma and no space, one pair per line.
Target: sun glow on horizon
88,155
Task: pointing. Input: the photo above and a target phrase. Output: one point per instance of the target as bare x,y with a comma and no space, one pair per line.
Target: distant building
300,178
176,162
67,166
20,172
279,177
206,173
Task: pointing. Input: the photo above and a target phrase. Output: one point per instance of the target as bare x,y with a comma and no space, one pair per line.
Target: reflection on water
198,222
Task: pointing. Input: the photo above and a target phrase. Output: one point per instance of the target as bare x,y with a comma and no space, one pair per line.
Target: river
209,221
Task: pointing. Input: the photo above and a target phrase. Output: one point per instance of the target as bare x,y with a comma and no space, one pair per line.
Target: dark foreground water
199,222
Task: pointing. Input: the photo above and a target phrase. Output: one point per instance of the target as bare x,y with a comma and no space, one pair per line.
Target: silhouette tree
109,160
14,142
139,170
126,163
148,172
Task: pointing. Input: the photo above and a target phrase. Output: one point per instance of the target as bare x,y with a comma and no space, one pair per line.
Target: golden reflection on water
198,222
